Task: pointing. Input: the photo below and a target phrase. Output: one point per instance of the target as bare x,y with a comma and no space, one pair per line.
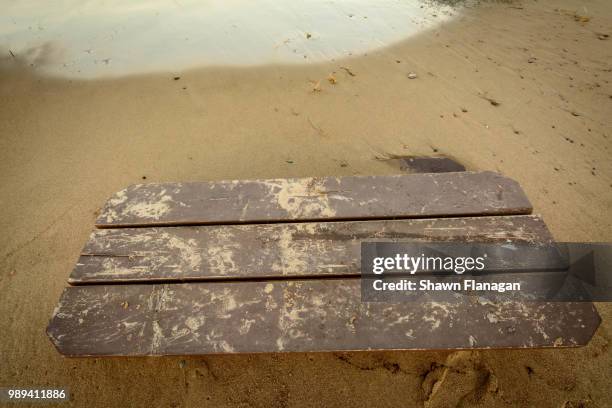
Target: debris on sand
412,75
348,71
318,129
331,78
387,156
492,101
581,18
578,17
316,86
603,36
532,60
308,36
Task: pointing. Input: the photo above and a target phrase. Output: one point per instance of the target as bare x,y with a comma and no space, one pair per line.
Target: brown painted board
315,198
297,316
211,252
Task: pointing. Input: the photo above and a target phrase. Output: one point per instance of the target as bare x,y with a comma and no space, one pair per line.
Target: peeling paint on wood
284,316
315,198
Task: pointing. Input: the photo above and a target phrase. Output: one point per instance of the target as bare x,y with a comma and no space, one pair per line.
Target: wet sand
521,88
111,38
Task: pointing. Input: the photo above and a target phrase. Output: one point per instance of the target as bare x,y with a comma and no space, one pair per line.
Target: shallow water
90,39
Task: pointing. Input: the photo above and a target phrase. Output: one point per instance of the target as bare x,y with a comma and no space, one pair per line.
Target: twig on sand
491,100
320,131
388,156
348,71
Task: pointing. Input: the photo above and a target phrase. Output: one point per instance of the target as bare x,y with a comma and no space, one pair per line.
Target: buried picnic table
274,266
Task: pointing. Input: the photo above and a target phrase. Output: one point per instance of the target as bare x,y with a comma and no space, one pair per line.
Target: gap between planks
506,213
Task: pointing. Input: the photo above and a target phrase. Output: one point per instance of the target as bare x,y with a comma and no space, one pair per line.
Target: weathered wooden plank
291,316
311,199
275,250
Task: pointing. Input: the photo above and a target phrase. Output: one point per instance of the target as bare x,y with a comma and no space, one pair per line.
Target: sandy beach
519,88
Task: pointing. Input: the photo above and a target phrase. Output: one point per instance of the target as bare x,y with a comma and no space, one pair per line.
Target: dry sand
66,145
